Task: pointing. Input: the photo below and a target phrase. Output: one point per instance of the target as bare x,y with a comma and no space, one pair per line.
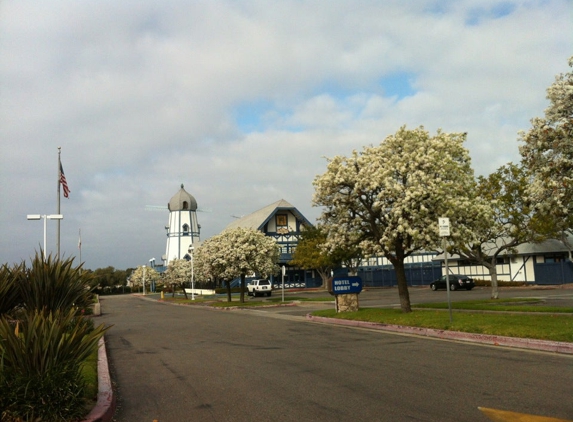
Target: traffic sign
444,224
344,285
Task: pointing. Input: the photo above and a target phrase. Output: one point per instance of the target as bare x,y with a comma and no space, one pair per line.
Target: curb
105,406
522,343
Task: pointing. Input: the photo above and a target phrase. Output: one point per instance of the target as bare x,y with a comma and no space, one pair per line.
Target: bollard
162,294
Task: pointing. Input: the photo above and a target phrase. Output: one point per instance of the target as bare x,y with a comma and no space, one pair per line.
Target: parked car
457,281
259,287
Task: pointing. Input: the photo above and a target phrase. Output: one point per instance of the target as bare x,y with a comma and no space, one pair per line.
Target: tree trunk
242,288
184,292
324,275
228,291
402,285
493,274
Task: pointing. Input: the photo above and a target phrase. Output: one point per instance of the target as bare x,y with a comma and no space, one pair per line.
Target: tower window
185,229
185,205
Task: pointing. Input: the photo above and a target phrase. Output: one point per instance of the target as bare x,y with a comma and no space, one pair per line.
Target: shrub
40,365
53,285
9,294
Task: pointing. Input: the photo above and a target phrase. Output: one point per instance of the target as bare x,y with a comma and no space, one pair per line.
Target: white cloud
144,96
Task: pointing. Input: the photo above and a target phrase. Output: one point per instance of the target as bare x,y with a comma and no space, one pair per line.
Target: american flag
63,182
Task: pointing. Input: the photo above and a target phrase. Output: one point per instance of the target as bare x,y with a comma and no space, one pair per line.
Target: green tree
391,196
505,220
311,254
238,252
547,152
105,276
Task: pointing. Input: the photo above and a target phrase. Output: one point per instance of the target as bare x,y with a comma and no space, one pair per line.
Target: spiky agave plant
10,298
40,362
54,284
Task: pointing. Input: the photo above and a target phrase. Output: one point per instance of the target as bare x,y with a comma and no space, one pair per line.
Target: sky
242,101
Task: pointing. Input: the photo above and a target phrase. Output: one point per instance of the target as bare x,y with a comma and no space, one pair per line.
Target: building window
281,220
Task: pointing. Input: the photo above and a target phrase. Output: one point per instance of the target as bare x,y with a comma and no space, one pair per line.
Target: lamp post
152,281
144,267
45,217
190,250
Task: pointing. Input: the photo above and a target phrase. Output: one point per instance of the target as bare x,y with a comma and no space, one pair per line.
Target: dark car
456,282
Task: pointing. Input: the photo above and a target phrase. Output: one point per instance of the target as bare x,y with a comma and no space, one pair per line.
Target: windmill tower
183,230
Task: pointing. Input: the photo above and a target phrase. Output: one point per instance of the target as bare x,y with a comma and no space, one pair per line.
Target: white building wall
178,239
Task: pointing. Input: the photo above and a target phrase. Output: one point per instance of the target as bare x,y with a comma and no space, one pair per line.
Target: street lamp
190,250
45,217
152,281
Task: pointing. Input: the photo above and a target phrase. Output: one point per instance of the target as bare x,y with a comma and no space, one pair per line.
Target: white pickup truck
259,287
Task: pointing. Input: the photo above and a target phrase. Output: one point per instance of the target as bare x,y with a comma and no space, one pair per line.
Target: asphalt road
189,363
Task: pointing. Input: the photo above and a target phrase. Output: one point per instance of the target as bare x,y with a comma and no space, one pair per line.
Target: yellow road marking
506,416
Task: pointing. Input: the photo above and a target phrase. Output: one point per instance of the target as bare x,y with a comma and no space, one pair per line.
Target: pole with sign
283,282
444,225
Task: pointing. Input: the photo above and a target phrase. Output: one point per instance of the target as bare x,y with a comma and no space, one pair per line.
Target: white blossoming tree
138,274
209,265
392,195
505,220
178,273
547,152
236,253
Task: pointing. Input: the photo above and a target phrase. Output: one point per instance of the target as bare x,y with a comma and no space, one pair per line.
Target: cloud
241,102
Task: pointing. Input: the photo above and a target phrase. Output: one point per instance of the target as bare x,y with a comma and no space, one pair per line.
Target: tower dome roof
182,201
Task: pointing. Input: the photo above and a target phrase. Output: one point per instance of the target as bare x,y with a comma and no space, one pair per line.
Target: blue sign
344,285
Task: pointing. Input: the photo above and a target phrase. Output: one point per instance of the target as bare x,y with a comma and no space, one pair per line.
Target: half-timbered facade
279,220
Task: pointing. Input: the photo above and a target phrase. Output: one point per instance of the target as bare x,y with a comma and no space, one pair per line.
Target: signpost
283,271
344,285
444,225
345,291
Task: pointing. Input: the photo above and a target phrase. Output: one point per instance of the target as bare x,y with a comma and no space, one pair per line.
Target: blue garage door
554,272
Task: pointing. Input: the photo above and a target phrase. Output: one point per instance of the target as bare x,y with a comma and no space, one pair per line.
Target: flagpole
80,245
58,202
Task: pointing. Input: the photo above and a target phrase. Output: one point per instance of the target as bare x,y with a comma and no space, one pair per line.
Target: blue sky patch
249,116
398,85
500,10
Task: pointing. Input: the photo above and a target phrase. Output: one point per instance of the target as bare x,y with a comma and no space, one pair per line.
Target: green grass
545,327
304,299
512,305
186,301
89,374
247,304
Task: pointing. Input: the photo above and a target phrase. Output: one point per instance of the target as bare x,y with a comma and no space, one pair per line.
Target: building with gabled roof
280,220
285,223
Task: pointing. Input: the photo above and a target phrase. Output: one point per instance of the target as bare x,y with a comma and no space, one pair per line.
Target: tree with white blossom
547,152
142,273
179,273
391,195
238,252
